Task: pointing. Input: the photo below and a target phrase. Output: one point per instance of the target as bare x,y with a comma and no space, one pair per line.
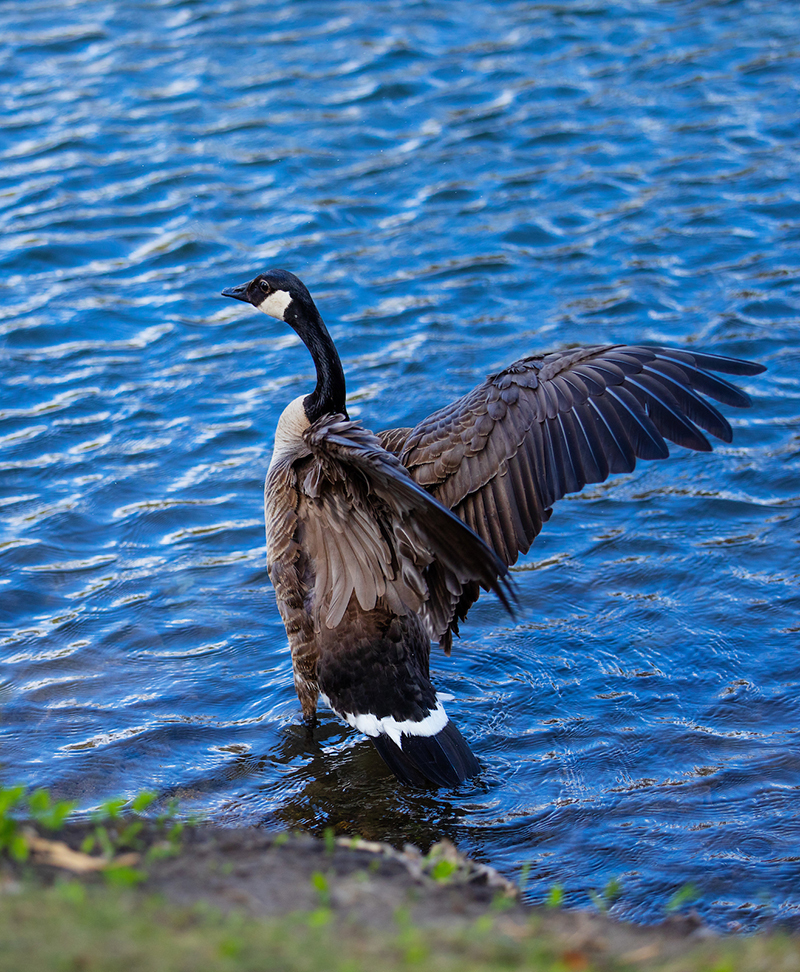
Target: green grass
76,927
117,827
106,923
95,929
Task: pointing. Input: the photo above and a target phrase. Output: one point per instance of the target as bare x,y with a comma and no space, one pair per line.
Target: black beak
240,292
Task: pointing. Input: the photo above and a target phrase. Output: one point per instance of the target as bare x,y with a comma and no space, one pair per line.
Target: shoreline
254,875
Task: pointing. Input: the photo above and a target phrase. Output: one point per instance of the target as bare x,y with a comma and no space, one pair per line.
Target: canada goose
378,543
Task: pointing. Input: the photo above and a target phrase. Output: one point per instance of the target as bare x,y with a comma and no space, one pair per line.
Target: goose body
378,544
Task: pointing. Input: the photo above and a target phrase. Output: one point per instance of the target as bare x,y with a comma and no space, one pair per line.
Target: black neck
329,395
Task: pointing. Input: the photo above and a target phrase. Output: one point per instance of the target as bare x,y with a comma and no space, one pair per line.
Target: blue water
458,184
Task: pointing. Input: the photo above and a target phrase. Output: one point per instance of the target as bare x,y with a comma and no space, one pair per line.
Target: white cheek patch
276,303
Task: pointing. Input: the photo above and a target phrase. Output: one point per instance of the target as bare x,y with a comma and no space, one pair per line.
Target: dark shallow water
458,184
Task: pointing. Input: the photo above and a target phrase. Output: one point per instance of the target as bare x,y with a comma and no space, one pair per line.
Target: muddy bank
360,883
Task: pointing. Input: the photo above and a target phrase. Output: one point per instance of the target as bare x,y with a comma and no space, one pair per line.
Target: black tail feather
441,760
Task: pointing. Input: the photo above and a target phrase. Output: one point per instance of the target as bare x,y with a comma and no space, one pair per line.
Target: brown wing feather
371,532
286,570
393,440
504,453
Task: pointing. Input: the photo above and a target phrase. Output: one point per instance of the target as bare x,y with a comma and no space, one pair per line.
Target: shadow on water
325,785
352,791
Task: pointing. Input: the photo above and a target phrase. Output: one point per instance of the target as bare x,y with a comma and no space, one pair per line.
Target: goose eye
264,286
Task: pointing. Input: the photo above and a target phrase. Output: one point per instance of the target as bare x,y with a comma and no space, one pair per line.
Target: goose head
279,294
285,297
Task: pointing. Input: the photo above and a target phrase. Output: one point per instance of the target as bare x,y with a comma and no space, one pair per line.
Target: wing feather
613,436
393,440
371,532
645,437
697,409
590,461
547,425
494,521
666,413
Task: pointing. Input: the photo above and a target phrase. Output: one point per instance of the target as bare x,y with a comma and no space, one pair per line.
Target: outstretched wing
372,532
547,425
